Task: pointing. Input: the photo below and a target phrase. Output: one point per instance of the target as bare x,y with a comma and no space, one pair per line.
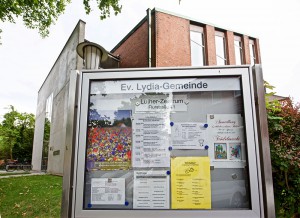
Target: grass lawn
30,196
9,173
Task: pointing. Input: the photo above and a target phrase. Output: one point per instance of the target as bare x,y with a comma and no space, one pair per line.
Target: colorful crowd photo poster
109,140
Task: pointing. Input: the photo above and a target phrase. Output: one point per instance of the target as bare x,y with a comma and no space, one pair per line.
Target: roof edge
78,23
129,34
200,21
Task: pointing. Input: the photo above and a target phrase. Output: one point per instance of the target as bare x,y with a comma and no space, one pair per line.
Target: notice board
169,141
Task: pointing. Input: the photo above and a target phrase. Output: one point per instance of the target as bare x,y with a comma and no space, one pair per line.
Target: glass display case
166,143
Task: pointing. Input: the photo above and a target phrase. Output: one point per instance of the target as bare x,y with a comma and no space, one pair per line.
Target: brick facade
230,53
170,43
246,51
210,46
133,51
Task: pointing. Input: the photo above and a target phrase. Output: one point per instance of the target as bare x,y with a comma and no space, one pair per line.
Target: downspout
149,36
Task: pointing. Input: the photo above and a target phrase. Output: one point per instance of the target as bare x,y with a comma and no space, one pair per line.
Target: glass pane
166,144
220,50
252,53
238,52
197,49
220,61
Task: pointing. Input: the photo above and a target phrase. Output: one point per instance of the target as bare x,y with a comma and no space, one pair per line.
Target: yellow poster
190,183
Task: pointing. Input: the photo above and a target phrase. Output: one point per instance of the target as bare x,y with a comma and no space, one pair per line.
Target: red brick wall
172,41
210,46
230,48
245,41
257,51
134,50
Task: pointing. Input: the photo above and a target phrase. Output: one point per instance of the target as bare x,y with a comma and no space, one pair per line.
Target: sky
26,58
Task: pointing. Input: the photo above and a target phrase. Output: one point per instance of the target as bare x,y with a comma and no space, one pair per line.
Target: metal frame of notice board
79,195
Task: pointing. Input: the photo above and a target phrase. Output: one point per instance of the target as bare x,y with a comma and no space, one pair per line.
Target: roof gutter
149,36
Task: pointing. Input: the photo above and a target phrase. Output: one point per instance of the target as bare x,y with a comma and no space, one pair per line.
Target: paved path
20,174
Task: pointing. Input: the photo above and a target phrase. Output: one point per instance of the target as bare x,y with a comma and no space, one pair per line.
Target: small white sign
166,85
151,190
108,191
161,103
226,140
189,135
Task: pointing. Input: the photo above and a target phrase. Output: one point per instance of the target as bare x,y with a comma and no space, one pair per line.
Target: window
197,46
238,50
220,48
252,51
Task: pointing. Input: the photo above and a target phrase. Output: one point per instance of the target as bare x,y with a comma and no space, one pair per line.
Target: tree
284,132
16,134
40,14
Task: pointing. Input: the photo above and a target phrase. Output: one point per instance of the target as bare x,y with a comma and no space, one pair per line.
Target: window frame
225,58
252,52
238,38
198,29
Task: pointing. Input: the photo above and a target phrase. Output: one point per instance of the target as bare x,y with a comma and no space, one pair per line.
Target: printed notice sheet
227,144
188,136
108,191
190,183
151,190
151,140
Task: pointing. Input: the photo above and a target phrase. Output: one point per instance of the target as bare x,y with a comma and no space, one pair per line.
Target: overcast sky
26,58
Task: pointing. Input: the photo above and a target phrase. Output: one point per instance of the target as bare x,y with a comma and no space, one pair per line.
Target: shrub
284,133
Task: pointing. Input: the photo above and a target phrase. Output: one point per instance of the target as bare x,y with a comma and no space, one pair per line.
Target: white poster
151,140
108,191
151,190
189,135
226,140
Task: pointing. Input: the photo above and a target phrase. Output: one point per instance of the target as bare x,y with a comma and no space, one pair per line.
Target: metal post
263,139
66,204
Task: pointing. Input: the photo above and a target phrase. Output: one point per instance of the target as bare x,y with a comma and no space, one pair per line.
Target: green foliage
36,14
284,132
16,135
30,196
40,14
104,6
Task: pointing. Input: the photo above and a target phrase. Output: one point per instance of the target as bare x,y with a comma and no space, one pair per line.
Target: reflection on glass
197,48
220,50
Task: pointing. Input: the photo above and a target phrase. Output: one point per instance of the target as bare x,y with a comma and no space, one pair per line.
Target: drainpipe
149,36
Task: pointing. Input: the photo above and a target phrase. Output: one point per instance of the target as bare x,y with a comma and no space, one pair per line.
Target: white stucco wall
57,82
